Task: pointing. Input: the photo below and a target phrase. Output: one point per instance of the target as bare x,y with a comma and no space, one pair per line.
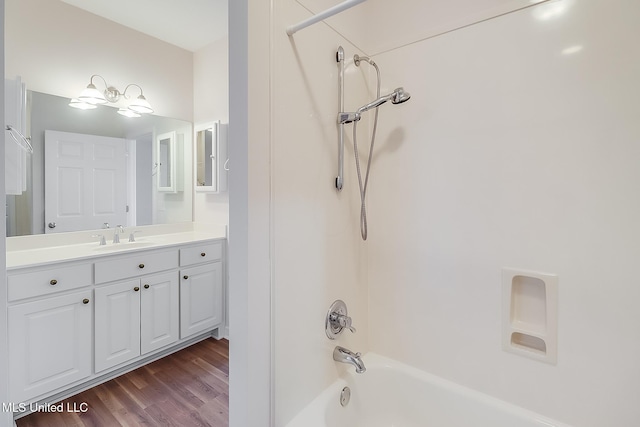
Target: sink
111,247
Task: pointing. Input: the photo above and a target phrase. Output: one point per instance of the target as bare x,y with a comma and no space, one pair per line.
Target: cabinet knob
146,286
140,265
136,289
185,277
203,254
85,301
53,282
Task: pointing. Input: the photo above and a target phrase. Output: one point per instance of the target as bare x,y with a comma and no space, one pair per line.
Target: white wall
513,154
36,29
211,102
317,257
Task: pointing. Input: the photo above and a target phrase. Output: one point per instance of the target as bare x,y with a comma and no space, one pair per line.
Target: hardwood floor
187,388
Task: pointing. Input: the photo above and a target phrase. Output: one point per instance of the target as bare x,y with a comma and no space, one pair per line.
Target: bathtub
391,394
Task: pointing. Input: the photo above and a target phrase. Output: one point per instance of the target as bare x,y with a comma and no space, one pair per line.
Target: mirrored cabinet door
210,157
168,162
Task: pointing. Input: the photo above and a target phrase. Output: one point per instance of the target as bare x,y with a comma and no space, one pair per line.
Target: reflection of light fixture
76,103
91,96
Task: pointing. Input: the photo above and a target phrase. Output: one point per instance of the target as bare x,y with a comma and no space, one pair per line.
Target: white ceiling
190,24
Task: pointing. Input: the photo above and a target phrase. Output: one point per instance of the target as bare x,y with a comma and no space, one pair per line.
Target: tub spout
341,354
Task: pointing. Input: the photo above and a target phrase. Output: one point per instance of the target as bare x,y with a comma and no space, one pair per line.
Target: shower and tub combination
385,392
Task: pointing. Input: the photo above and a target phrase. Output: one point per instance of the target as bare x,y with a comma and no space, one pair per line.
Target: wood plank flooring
187,388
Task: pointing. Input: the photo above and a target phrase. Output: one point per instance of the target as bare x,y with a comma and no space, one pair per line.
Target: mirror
169,162
148,201
211,157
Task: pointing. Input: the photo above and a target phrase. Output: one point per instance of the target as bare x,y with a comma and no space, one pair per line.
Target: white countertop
39,250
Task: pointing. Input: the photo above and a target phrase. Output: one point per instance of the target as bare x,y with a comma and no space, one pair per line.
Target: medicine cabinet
169,162
211,157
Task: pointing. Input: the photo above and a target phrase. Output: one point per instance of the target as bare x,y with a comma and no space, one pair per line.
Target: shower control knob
337,320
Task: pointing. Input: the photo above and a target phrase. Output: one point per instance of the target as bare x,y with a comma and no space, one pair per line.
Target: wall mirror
211,157
147,203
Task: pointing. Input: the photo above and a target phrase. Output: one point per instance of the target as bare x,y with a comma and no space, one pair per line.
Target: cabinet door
49,344
200,298
159,311
117,324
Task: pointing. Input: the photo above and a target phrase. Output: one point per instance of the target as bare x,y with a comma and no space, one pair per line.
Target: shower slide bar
323,15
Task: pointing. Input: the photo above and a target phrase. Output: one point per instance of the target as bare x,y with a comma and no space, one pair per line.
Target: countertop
28,255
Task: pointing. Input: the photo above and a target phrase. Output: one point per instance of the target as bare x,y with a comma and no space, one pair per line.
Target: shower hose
363,186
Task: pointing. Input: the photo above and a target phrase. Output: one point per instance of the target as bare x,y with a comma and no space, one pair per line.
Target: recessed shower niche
529,314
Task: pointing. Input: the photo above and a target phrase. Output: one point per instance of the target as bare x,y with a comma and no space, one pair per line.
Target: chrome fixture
345,396
337,319
91,97
343,355
132,237
24,142
103,241
116,233
340,61
398,96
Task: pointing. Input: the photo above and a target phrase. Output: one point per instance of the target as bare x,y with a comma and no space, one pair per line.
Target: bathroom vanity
82,313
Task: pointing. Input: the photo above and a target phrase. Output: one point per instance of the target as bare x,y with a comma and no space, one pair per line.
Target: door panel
85,181
159,311
117,324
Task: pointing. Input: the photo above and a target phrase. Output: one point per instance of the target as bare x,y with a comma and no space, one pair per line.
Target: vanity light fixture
91,97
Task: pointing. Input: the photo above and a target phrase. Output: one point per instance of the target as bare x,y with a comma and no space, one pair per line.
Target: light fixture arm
124,93
92,96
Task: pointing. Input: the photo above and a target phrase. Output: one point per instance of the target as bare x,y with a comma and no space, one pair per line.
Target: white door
117,324
49,344
85,181
200,298
159,311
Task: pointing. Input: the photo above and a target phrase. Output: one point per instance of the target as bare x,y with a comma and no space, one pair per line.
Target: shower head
398,96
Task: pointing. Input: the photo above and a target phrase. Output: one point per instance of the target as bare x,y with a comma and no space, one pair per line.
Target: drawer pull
136,289
146,286
185,277
203,254
140,265
85,301
53,282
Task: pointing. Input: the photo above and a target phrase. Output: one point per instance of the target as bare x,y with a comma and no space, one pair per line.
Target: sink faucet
116,233
341,354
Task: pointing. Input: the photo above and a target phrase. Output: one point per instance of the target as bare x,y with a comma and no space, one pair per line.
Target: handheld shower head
398,96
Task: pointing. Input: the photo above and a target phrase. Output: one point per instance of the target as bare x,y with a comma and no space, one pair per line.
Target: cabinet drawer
201,253
135,265
42,282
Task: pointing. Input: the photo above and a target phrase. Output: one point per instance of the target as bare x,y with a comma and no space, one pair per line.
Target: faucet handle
337,320
132,237
103,241
345,322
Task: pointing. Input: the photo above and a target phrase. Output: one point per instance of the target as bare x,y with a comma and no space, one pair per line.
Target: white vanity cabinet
50,342
201,290
135,317
139,314
79,321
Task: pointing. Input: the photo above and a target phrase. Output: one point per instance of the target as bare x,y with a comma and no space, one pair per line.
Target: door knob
52,225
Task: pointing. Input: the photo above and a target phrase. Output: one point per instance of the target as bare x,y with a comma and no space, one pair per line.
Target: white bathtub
391,394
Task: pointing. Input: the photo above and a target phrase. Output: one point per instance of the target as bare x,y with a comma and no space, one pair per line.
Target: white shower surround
392,394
